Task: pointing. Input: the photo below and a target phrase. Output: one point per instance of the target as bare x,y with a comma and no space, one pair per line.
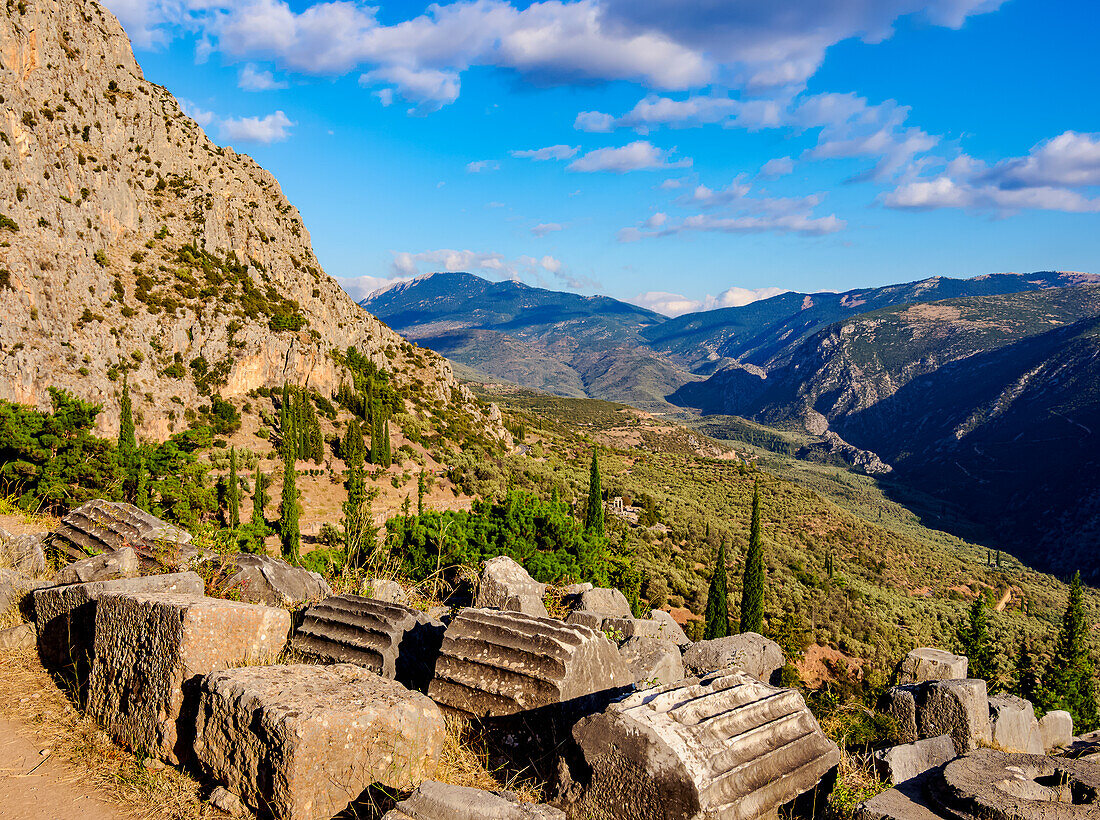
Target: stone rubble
610,603
262,579
504,584
900,764
653,661
106,566
1056,729
748,652
1013,725
927,663
442,801
25,554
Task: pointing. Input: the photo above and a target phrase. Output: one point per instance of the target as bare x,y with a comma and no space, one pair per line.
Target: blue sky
681,155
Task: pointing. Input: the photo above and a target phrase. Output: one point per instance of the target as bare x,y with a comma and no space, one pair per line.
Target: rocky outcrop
152,648
123,206
391,640
494,663
724,746
262,579
442,801
927,663
301,742
748,652
504,584
106,526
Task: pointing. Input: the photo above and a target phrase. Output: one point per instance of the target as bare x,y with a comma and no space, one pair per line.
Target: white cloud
778,167
272,128
202,117
1044,179
594,122
252,78
544,228
635,156
359,287
407,265
676,304
550,152
428,88
673,184
481,166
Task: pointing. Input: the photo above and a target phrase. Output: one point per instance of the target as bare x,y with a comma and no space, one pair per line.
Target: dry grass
29,696
856,782
466,762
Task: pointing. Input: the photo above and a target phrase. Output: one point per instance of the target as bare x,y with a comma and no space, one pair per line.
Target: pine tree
356,490
1027,684
233,495
288,510
259,500
717,619
752,588
1071,674
976,644
593,517
127,441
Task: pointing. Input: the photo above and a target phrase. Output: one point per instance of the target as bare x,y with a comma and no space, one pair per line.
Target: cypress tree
593,517
259,500
976,643
375,456
420,493
127,441
1027,683
1071,673
752,588
717,619
356,489
288,510
233,495
387,453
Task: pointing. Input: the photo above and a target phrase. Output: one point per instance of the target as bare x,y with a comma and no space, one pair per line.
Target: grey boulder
504,584
653,661
610,603
24,553
384,589
959,708
1013,725
261,579
442,801
900,764
748,652
1056,729
20,636
672,631
926,663
106,566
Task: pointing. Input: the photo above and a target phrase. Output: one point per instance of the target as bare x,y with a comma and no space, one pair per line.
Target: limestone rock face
106,566
262,579
900,764
118,191
66,615
496,663
1056,729
23,553
926,663
959,708
725,746
105,526
442,801
653,661
610,603
152,648
748,652
504,584
300,742
391,640
1013,724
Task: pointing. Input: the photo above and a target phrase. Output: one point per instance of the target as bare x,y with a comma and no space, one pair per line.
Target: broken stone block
495,663
442,801
15,590
672,631
900,703
301,742
1056,729
1013,725
904,802
610,603
927,663
959,708
579,617
748,652
106,566
20,636
25,554
636,628
504,584
383,589
900,764
66,616
151,649
261,579
653,661
104,526
391,640
724,746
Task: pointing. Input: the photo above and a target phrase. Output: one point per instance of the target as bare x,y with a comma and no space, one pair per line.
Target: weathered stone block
610,603
442,801
503,580
653,661
104,526
748,652
579,617
383,589
496,663
1013,725
391,640
900,703
151,649
900,764
672,631
16,589
20,636
725,746
927,663
1056,729
261,579
25,554
959,708
300,742
66,615
106,566
638,628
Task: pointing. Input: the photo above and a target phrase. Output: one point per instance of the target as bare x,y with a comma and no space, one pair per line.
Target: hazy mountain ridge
132,242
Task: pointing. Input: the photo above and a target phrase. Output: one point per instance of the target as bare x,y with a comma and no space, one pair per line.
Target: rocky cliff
131,243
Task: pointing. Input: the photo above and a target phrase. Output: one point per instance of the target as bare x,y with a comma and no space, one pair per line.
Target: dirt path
1004,601
49,792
